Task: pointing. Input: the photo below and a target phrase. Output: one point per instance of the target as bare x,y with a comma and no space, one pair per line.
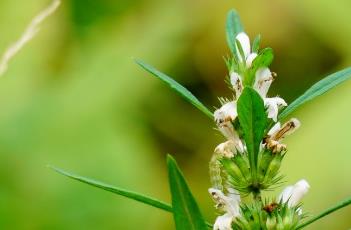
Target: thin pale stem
326,212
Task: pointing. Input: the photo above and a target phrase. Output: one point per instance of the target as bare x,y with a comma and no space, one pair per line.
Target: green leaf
119,191
256,44
186,213
233,27
177,87
253,120
263,59
318,89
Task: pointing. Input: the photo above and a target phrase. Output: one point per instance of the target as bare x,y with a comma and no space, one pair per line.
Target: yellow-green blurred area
74,98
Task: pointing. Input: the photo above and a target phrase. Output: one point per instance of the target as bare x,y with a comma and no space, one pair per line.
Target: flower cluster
233,172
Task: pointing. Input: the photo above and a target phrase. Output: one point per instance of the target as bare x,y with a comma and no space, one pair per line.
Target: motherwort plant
248,162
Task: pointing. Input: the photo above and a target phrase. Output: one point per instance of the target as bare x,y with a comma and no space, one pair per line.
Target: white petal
250,59
300,189
288,128
235,80
263,80
294,194
223,222
226,149
226,112
229,204
299,211
273,104
274,129
224,117
234,194
245,43
286,194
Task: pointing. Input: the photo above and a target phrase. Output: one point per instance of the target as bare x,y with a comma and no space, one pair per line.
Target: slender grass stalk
326,212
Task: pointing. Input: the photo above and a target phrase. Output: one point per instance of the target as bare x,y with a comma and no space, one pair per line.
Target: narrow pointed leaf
186,213
326,212
119,191
177,87
253,120
233,28
317,89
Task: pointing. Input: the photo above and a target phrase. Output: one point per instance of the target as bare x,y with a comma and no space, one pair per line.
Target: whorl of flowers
235,168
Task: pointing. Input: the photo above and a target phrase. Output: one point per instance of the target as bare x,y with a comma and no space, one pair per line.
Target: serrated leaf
233,27
119,191
177,87
317,89
186,213
253,120
263,59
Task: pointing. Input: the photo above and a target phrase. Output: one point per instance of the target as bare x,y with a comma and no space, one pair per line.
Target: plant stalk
326,212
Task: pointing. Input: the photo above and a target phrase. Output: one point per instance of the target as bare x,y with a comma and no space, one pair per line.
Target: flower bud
293,194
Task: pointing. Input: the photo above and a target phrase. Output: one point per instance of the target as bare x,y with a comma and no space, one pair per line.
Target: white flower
273,105
294,193
224,117
229,205
236,82
230,148
277,133
263,80
245,44
223,222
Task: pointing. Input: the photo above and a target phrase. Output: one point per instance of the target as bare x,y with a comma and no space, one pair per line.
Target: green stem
257,195
326,212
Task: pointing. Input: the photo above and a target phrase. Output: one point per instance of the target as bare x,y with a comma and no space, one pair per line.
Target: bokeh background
75,99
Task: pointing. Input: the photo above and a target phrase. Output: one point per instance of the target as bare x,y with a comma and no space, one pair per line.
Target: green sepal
273,169
242,162
263,59
234,176
265,158
256,44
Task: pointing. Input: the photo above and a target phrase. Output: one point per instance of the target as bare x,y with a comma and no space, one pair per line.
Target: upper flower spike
246,47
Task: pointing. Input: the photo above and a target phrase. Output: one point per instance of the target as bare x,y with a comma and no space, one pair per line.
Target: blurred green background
74,98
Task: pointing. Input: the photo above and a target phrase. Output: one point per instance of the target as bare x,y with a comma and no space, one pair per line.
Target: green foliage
233,27
177,87
263,59
267,216
256,44
318,89
186,213
253,121
239,175
330,210
119,191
